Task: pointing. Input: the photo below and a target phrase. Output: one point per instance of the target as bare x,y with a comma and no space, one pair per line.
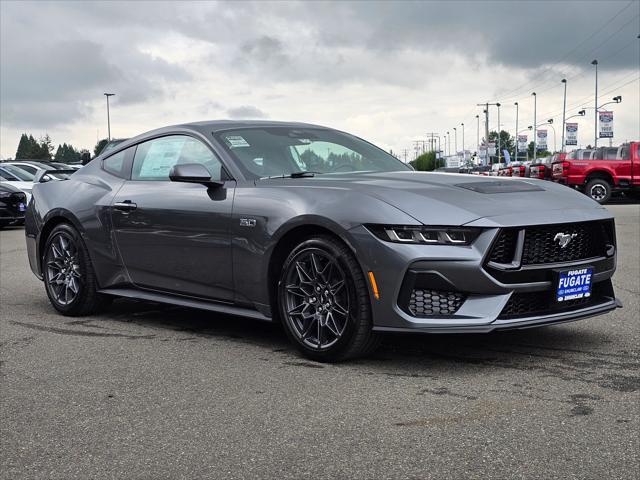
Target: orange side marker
374,286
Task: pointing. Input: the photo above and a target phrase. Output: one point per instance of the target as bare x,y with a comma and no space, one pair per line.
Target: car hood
454,199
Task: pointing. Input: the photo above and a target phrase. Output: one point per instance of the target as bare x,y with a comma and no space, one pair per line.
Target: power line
510,93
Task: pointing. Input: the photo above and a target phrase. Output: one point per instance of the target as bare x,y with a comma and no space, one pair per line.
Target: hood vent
511,186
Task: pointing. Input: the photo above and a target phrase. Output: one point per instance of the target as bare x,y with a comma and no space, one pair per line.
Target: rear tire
69,278
324,304
599,190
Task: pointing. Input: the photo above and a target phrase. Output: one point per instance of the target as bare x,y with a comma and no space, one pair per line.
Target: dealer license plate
574,284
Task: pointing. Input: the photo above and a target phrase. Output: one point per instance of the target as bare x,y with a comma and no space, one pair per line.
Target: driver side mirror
193,173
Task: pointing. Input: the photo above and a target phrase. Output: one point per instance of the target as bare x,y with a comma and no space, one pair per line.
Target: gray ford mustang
319,230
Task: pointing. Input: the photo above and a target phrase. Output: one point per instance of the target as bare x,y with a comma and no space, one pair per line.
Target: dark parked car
13,203
319,230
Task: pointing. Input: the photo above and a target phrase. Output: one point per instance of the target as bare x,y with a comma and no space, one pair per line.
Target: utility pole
535,128
108,118
516,145
595,113
564,112
486,106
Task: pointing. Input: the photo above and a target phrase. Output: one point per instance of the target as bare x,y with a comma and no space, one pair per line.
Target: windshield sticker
235,141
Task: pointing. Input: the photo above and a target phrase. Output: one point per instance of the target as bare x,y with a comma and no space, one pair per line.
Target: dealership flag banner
542,140
572,134
606,124
522,143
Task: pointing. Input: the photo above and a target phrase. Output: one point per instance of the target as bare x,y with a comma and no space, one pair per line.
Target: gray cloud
246,112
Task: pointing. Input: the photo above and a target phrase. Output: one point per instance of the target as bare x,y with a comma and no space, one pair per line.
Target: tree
24,148
425,162
507,142
99,146
45,147
67,154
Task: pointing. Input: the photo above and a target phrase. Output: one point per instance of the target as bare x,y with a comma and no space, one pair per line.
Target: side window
30,169
115,164
154,159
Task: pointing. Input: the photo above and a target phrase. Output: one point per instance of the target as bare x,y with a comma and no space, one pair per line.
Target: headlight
425,235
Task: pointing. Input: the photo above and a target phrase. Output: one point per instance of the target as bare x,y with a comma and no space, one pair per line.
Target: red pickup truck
600,172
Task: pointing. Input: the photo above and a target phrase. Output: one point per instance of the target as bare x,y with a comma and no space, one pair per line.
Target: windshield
18,173
274,151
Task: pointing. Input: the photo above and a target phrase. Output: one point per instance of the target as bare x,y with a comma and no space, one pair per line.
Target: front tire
324,302
599,190
69,278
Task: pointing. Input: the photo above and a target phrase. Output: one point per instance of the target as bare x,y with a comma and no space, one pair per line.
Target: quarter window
115,163
154,159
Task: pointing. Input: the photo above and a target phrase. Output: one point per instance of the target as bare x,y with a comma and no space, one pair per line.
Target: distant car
34,168
17,177
321,231
542,169
13,204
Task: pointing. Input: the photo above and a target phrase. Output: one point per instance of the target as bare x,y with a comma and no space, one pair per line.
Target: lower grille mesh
423,303
544,303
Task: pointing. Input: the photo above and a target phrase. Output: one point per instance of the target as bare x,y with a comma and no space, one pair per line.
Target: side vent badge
247,222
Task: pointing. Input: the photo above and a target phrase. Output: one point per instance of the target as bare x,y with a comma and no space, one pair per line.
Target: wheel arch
601,174
51,221
290,235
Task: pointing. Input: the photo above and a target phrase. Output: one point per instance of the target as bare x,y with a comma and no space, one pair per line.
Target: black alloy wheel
68,275
324,301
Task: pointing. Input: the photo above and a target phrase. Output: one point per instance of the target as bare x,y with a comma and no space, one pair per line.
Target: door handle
125,206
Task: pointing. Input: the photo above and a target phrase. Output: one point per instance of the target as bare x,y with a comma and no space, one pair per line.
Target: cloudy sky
387,71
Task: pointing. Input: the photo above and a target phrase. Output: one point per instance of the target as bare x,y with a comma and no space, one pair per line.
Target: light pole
550,123
108,119
595,113
581,113
455,138
564,112
449,143
478,136
463,155
516,146
535,136
499,144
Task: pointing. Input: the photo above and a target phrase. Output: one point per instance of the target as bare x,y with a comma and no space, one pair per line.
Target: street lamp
463,155
595,114
516,147
564,110
455,138
449,143
499,147
108,118
535,136
478,136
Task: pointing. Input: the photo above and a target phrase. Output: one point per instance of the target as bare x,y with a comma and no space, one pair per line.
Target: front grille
544,303
425,303
540,245
589,240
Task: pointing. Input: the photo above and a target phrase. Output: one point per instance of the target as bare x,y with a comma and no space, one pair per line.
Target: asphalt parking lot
147,391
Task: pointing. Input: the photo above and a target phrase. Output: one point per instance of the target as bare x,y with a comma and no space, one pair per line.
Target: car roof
209,126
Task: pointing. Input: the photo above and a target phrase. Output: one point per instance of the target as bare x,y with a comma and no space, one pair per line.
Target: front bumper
464,269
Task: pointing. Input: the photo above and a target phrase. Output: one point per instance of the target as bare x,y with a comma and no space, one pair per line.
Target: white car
17,177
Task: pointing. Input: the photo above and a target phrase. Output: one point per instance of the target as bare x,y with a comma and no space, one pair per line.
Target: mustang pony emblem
564,239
